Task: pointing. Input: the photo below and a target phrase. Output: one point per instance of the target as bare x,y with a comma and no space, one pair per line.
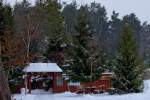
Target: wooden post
29,83
54,82
26,83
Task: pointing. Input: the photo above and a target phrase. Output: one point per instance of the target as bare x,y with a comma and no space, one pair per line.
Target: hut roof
42,67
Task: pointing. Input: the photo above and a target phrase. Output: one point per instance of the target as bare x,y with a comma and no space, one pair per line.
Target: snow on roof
42,67
110,73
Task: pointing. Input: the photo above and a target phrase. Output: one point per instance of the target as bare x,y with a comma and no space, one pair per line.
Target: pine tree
115,28
4,87
129,66
135,24
87,57
7,34
58,39
70,15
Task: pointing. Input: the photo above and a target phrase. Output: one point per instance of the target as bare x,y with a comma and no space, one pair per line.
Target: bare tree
30,34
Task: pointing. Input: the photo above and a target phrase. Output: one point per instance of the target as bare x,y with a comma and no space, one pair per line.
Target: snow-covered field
71,96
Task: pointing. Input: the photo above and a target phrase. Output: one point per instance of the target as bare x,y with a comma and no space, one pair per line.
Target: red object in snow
98,86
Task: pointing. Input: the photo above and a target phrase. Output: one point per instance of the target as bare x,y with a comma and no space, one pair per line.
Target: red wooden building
45,75
101,85
50,76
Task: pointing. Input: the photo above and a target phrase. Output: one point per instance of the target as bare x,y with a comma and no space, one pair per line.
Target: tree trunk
4,87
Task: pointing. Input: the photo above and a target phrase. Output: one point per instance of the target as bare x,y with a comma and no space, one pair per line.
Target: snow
108,73
40,91
42,67
74,84
147,86
72,96
148,69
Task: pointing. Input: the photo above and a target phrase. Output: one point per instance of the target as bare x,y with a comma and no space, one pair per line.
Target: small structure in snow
108,75
45,76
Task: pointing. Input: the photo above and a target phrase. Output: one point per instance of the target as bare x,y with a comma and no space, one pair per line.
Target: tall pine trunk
4,87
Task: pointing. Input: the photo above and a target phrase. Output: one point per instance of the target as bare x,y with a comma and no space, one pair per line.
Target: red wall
56,89
59,89
99,84
73,89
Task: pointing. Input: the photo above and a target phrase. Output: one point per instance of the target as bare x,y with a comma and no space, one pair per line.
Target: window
59,81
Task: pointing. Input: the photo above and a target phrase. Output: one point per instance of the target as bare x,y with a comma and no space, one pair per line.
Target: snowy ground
71,96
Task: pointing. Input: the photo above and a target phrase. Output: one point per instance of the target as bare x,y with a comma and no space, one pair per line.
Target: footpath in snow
71,96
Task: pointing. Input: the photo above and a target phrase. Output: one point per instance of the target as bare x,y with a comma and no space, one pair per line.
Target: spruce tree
129,66
87,56
58,40
55,31
70,13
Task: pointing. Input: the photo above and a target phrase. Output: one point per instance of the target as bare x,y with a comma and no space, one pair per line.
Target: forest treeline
81,39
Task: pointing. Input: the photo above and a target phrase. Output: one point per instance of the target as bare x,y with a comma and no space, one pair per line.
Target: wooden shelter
45,76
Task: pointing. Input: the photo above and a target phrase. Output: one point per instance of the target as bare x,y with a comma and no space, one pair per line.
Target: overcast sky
139,7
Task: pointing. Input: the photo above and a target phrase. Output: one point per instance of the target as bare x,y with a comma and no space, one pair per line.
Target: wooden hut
45,76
